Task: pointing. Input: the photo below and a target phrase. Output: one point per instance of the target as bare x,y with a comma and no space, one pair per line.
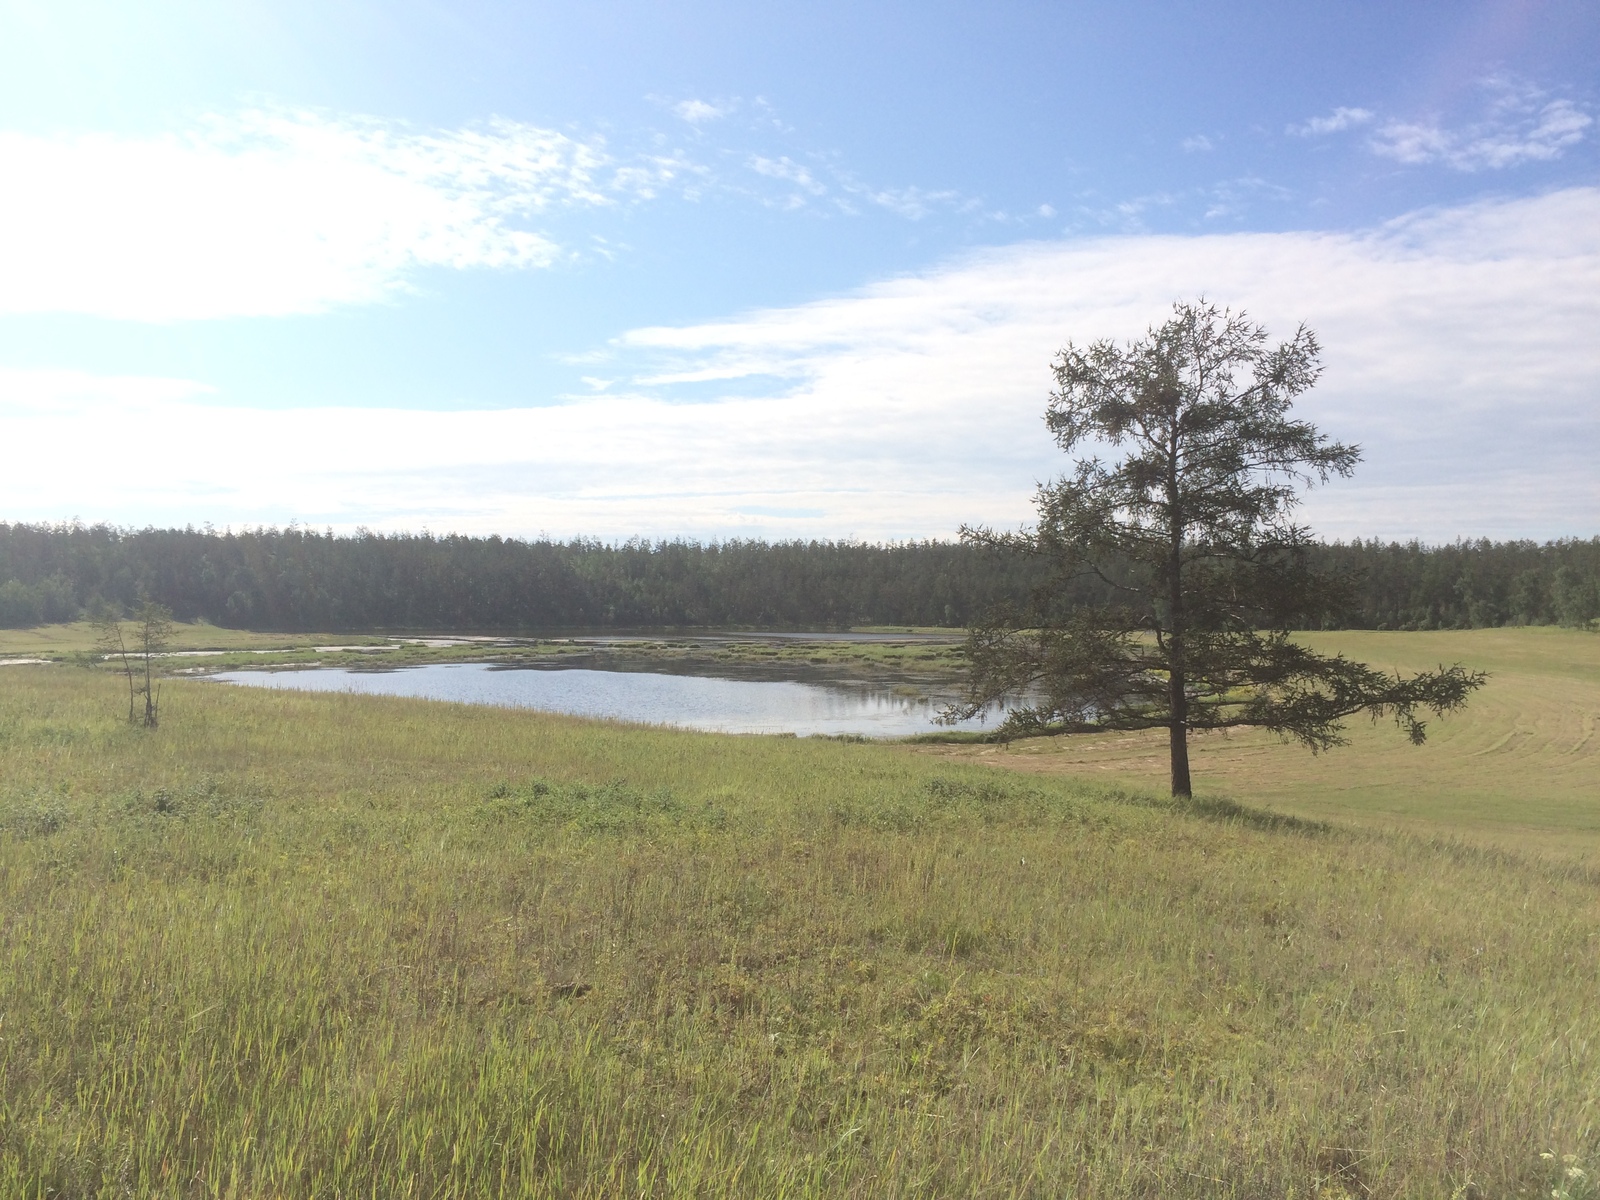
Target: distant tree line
299,579
1470,585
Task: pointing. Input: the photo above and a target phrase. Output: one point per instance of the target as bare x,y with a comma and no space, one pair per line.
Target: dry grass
320,945
1519,767
78,637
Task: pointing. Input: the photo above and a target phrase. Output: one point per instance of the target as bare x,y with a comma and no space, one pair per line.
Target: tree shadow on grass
1220,808
1458,850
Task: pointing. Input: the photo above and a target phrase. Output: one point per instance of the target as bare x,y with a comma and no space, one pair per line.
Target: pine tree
1189,525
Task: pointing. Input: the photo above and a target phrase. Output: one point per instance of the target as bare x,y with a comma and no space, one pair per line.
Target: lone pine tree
1188,529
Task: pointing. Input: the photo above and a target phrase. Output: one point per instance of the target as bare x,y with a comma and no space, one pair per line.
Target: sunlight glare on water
690,701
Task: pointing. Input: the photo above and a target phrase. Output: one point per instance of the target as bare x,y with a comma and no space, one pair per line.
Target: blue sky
760,270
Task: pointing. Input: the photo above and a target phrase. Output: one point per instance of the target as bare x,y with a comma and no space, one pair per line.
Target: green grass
323,945
58,642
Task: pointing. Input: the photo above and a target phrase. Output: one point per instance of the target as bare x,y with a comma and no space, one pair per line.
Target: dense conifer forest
298,579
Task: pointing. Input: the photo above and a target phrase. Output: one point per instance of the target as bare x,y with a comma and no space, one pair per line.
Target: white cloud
913,203
838,188
788,171
1519,125
697,112
269,213
1234,197
1198,144
1337,121
1460,353
70,394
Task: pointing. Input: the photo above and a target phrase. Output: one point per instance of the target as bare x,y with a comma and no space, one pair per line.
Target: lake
690,701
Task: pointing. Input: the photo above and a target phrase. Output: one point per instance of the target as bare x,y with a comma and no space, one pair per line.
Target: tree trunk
1177,668
1178,704
149,698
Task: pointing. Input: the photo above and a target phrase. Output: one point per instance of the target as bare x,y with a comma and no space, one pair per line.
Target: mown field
1518,767
323,945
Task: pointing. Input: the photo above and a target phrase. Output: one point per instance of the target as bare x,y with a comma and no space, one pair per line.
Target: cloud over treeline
1460,353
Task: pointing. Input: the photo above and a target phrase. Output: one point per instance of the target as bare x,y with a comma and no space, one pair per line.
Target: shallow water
690,701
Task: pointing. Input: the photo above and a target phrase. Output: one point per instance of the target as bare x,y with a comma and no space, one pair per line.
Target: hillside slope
315,945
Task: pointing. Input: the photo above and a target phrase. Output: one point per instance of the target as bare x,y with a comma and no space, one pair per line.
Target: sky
715,270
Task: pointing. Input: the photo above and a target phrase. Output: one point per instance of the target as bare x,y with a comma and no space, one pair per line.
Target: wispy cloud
1519,124
1460,354
1233,198
809,179
1198,144
1225,201
698,112
1337,121
825,185
913,203
789,171
1516,122
269,213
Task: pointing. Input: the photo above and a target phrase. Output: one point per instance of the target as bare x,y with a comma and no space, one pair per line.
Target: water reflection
690,701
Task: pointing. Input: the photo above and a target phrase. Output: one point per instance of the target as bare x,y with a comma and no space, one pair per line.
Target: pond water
690,701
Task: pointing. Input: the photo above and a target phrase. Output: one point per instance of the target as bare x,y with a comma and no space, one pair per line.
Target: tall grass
298,945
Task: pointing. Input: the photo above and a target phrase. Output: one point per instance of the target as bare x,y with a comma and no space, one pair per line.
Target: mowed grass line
1519,766
313,945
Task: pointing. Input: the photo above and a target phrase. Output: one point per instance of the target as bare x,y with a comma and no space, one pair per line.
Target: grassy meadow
60,642
296,945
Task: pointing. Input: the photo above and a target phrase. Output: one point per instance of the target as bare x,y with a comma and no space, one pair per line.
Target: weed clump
203,800
607,808
31,817
945,801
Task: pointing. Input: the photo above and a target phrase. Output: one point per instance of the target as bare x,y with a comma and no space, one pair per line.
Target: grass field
1519,766
325,945
56,641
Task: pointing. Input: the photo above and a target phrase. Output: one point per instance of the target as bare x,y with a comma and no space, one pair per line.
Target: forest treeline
298,579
